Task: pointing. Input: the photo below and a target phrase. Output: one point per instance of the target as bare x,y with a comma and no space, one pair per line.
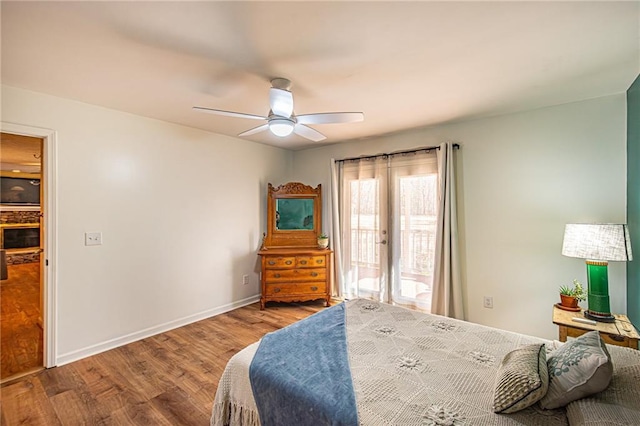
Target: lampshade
598,244
281,127
605,241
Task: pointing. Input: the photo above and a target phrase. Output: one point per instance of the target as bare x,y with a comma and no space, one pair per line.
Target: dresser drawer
284,275
310,261
298,288
279,262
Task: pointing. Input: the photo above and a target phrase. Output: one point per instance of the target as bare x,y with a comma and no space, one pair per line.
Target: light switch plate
93,238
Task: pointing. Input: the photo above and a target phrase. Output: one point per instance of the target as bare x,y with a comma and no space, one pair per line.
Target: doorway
388,218
22,242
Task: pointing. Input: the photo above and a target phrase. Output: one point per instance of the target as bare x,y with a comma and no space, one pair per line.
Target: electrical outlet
245,279
93,238
488,302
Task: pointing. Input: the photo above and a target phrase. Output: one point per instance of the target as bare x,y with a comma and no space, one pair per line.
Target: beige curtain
336,230
447,284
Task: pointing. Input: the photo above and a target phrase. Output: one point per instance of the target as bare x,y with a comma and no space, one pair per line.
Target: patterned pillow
579,368
619,404
522,379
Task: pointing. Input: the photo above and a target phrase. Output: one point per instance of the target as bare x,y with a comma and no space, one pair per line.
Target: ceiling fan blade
330,117
308,133
229,113
281,102
255,130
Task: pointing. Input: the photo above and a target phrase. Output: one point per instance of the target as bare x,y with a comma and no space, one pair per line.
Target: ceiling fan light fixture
282,121
281,127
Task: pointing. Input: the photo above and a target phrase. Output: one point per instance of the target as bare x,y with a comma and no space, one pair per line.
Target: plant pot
323,243
568,301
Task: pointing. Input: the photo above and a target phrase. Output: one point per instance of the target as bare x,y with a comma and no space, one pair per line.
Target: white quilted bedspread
408,368
411,368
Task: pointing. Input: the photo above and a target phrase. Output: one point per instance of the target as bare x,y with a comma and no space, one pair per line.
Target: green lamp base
598,293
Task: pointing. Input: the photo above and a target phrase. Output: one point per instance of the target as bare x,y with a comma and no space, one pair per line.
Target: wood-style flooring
167,379
20,333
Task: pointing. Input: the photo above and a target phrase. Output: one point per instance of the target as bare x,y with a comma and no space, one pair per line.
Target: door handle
382,242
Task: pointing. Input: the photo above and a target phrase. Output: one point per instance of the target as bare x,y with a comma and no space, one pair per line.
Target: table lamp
597,244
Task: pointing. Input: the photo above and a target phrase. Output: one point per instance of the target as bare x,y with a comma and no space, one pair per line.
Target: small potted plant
570,296
323,240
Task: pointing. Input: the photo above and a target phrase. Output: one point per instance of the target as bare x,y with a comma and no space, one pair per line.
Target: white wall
181,212
521,178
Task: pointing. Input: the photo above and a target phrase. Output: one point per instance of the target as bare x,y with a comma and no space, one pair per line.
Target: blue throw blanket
300,374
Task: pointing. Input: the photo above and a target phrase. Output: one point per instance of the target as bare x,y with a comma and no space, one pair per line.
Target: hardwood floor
20,334
167,379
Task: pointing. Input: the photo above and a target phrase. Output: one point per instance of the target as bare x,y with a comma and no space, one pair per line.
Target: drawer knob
272,262
314,288
303,262
276,290
277,276
319,261
314,274
288,262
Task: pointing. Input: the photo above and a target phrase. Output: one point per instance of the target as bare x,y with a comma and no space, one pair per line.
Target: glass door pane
365,220
365,245
415,235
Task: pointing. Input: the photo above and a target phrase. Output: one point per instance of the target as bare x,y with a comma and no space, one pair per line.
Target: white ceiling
405,65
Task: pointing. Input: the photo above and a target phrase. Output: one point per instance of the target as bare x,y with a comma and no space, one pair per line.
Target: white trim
49,170
151,331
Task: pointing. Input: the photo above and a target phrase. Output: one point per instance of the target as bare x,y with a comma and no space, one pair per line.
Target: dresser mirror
293,215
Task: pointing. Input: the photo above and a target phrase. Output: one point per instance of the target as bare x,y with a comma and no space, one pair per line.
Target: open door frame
48,256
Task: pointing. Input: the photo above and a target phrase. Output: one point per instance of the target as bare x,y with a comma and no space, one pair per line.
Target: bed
368,363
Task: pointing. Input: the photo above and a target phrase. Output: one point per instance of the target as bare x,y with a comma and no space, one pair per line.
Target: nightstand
620,332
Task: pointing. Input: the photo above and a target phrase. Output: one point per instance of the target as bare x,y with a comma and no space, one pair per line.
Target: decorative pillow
579,368
522,379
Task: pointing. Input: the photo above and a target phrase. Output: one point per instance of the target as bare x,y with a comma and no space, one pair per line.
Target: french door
388,225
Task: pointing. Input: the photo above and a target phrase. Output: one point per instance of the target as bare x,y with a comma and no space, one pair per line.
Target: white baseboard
152,331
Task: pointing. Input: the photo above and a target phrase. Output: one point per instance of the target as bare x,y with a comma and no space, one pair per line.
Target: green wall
633,200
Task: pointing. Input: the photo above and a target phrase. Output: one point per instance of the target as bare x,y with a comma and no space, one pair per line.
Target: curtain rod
366,157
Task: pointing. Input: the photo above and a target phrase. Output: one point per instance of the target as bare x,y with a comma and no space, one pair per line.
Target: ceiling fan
282,121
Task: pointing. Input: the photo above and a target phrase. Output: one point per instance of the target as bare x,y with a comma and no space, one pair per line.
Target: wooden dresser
295,275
